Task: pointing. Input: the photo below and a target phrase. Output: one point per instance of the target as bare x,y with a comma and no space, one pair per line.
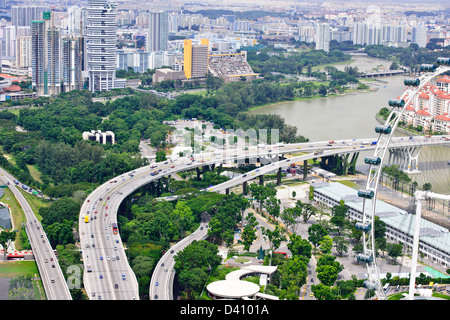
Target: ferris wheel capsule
396,103
363,226
443,61
368,194
428,67
385,129
411,82
371,285
367,258
372,160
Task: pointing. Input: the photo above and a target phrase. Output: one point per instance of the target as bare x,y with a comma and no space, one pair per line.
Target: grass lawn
35,173
11,269
350,184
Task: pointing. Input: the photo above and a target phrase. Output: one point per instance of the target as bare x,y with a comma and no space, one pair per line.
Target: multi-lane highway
106,274
161,282
50,272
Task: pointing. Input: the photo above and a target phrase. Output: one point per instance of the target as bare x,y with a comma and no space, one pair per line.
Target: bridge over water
381,73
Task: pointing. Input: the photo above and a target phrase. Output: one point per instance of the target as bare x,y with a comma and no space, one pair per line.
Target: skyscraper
46,55
71,64
101,45
158,31
323,37
419,36
24,14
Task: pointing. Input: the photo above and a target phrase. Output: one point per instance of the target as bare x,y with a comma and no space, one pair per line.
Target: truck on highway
89,268
318,152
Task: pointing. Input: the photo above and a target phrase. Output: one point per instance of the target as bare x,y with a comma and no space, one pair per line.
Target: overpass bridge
55,285
381,73
107,274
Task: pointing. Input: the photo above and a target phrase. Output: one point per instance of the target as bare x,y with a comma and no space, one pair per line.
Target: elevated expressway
55,285
107,273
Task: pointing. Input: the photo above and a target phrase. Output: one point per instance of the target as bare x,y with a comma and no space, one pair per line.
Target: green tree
395,250
316,233
249,232
299,246
5,236
326,244
160,156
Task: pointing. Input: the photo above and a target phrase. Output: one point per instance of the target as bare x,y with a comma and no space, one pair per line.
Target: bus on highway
114,227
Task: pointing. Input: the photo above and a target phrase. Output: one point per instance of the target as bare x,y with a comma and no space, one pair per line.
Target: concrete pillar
305,169
279,177
261,180
198,173
244,188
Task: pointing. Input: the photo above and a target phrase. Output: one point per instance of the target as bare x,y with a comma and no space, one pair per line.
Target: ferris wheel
369,195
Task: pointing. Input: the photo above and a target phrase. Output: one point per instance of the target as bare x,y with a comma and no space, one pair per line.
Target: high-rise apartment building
24,14
419,36
23,52
158,31
323,37
46,55
196,59
101,44
74,20
55,61
8,42
71,64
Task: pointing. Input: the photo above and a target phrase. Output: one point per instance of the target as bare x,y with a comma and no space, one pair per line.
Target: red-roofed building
444,84
12,88
441,123
430,107
423,118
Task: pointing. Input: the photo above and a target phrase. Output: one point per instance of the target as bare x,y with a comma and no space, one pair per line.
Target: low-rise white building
100,137
434,239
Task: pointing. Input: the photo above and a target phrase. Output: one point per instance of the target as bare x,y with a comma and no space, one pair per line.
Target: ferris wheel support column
419,195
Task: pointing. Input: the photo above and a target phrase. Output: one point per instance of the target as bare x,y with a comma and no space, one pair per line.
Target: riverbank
314,97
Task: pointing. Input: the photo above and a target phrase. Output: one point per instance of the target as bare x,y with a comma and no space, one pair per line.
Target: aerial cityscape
246,151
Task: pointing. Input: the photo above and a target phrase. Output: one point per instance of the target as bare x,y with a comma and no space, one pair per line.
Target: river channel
353,116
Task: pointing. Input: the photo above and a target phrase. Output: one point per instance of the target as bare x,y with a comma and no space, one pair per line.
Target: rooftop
431,233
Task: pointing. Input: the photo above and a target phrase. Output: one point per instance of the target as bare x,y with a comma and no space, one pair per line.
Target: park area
19,280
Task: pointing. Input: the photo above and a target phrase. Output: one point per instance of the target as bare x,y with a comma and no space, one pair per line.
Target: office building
101,45
158,31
